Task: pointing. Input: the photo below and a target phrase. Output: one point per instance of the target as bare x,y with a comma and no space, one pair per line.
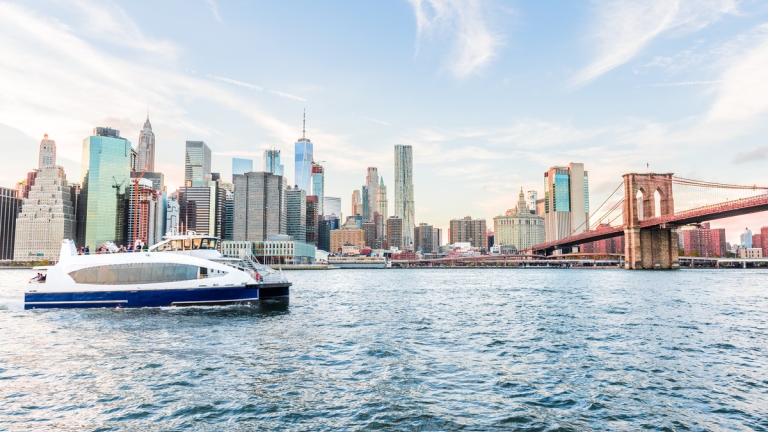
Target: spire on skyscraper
304,125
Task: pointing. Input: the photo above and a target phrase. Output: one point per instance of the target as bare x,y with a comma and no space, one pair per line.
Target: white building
518,227
47,217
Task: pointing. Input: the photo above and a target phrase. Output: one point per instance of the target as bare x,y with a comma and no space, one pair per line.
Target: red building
704,241
613,245
764,244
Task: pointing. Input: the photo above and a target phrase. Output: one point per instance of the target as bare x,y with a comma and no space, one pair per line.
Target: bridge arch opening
657,203
639,199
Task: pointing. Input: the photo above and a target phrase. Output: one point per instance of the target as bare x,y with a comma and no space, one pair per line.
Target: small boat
185,270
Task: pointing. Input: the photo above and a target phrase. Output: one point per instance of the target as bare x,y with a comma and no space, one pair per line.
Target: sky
490,94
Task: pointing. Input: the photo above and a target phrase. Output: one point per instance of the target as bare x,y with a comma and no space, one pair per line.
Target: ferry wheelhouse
184,270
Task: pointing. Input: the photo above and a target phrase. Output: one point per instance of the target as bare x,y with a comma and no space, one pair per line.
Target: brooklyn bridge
648,209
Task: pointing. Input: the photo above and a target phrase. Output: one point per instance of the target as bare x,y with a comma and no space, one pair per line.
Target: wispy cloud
287,95
684,83
215,11
235,82
372,119
622,28
474,44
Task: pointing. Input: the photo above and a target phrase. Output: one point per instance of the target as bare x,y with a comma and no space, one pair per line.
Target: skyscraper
47,217
105,167
296,213
146,151
566,201
47,156
424,237
241,166
259,206
332,206
372,183
318,185
365,204
197,162
357,200
145,213
202,208
325,226
469,230
381,204
303,157
312,217
404,203
9,209
272,162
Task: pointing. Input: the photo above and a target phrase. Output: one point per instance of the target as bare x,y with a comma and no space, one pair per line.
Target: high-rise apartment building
405,207
242,166
47,217
764,240
10,205
312,219
372,184
332,206
146,150
566,205
260,208
318,185
469,230
47,155
145,213
394,232
437,239
381,205
272,162
424,238
703,241
197,163
296,213
202,208
519,227
303,155
105,168
369,230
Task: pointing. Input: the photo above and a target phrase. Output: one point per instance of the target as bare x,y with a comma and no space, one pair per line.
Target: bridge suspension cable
598,209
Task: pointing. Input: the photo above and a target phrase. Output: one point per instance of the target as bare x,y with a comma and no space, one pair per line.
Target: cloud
237,83
215,11
622,28
760,153
684,83
286,95
474,44
372,119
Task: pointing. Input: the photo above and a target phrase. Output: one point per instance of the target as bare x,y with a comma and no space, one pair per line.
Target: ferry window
208,244
103,272
91,275
175,244
112,276
169,273
196,244
123,274
187,244
157,272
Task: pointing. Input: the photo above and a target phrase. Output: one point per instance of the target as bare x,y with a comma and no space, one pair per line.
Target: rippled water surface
402,350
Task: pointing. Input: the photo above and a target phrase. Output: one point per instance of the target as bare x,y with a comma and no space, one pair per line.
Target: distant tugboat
185,270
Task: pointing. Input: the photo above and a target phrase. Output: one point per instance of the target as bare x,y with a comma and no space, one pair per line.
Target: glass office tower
106,170
272,162
241,166
303,152
197,162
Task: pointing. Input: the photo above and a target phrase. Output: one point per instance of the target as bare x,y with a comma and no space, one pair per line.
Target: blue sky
489,93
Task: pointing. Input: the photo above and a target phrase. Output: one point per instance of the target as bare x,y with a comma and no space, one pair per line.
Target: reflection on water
405,350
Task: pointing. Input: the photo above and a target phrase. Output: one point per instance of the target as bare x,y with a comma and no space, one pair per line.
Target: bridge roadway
700,214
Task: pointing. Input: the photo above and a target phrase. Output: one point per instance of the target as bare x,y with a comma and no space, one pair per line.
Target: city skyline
687,92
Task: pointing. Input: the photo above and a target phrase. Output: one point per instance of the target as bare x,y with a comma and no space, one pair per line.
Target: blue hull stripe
150,298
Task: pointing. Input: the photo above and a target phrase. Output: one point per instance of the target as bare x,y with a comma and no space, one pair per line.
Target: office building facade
260,210
566,201
318,185
296,213
47,217
197,163
357,203
424,238
326,224
241,166
372,185
105,169
405,207
47,154
519,227
10,205
303,157
344,237
272,163
202,208
312,218
382,206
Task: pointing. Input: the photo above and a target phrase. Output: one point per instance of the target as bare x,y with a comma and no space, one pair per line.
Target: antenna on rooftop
304,125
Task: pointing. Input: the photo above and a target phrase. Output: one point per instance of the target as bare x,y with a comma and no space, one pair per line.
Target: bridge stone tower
653,247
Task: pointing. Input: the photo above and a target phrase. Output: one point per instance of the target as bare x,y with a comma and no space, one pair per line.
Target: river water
426,349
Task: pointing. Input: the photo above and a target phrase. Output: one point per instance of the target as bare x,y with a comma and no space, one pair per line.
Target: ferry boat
358,262
184,270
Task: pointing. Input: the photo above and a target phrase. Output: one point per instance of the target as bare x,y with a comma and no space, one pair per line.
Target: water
422,349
